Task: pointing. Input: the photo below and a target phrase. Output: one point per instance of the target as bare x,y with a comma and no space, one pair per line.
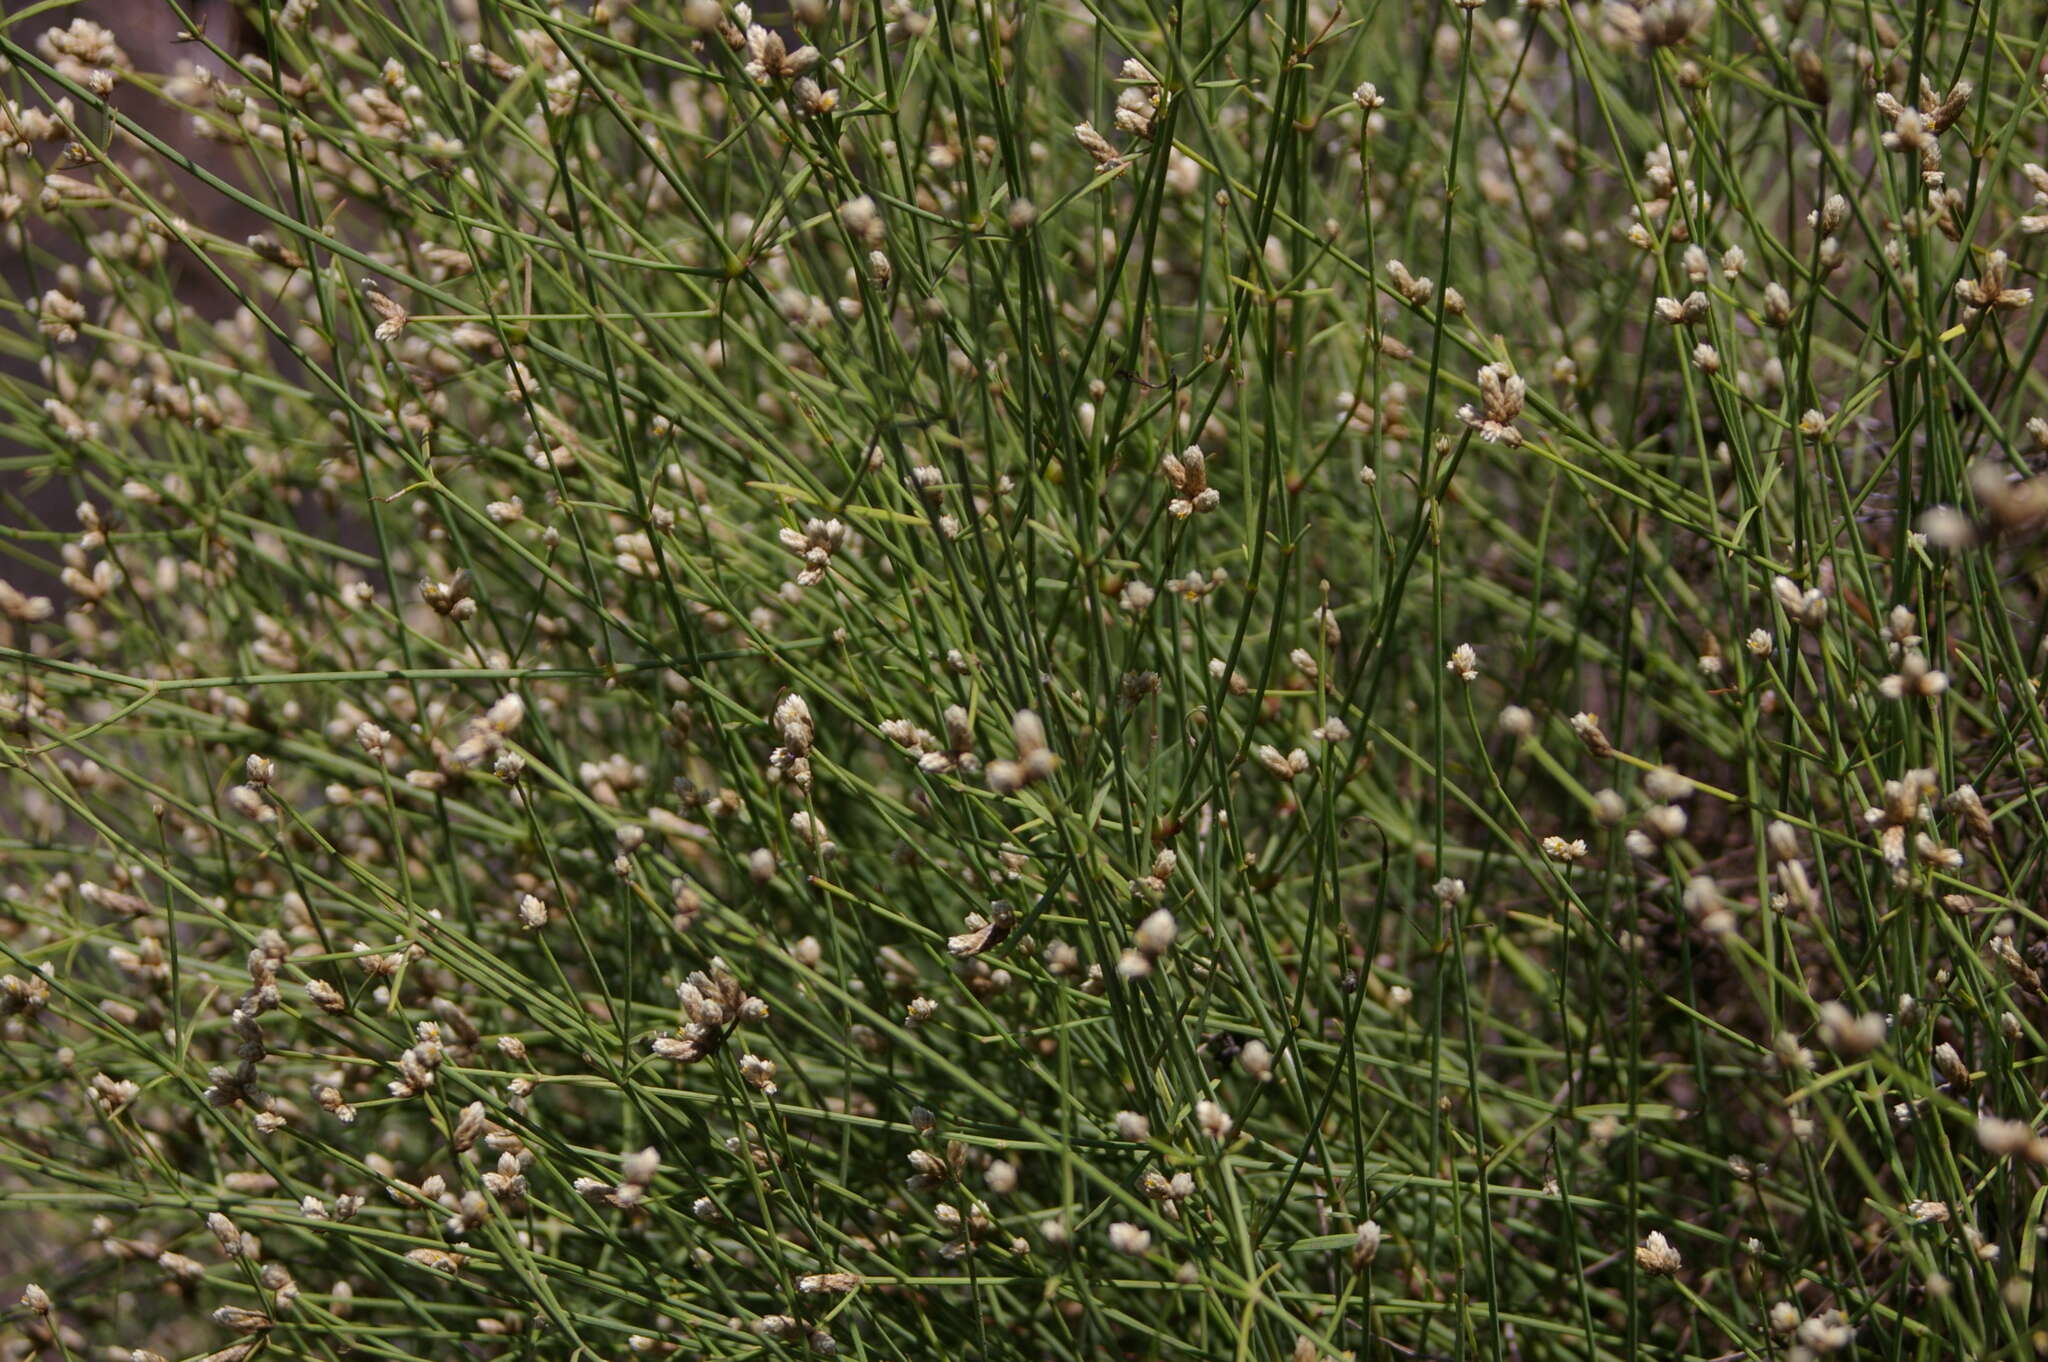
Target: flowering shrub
1024,681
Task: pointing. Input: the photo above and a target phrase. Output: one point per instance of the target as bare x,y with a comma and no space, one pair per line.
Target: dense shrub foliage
1018,680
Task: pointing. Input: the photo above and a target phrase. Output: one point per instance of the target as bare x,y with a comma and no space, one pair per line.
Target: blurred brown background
149,32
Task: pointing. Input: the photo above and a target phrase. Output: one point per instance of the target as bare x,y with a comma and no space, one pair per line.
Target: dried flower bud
1656,1256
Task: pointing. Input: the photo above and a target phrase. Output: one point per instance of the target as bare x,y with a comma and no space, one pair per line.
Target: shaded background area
149,31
